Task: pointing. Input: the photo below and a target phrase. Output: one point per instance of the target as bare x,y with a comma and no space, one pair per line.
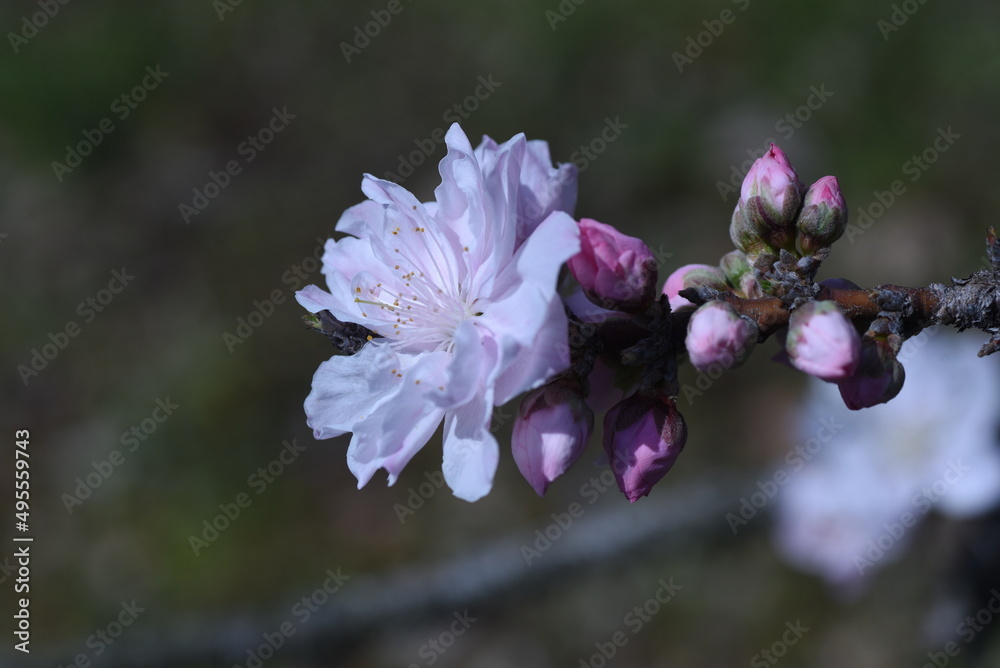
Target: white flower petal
470,363
543,254
460,197
531,280
397,430
315,299
544,188
471,452
413,240
360,218
531,365
499,235
347,389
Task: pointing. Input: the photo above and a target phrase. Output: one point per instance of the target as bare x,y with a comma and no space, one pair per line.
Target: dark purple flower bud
643,435
878,379
552,430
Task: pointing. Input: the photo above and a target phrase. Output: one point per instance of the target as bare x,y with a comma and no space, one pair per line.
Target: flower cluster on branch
441,310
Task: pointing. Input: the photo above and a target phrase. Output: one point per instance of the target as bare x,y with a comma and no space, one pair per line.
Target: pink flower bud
822,341
770,199
616,271
643,435
689,276
878,379
824,216
552,430
718,336
770,177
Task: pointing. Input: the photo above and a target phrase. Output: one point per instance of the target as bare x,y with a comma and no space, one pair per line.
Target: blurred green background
561,70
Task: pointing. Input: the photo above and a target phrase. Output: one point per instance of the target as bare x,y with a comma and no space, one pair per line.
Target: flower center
420,311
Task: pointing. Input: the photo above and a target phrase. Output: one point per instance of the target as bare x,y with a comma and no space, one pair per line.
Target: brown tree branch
970,303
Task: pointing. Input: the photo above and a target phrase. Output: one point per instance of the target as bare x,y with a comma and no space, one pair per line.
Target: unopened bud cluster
777,212
779,218
782,231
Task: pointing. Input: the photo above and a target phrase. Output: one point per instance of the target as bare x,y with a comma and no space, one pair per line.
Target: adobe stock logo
363,35
252,146
230,511
915,167
900,14
886,543
223,7
302,611
31,25
565,9
795,460
456,113
418,495
60,339
99,641
103,469
435,647
698,44
779,648
635,620
121,108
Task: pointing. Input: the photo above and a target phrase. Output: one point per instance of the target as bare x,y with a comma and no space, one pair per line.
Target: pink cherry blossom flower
464,315
544,188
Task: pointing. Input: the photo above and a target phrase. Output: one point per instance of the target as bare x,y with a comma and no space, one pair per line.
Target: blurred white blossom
933,448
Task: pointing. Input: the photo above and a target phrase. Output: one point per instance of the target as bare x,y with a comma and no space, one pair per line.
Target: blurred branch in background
487,578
